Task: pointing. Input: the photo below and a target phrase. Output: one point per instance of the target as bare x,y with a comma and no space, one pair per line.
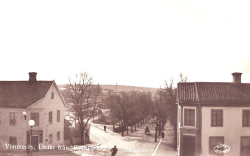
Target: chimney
236,77
32,76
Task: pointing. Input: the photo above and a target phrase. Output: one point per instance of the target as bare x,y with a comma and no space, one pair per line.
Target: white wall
232,129
42,106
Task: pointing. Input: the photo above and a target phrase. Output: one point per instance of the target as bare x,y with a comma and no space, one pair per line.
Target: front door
188,145
34,143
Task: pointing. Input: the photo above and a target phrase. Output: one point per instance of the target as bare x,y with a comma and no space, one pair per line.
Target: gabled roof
21,94
213,93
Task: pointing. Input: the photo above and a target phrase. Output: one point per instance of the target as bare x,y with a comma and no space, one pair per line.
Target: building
212,113
42,102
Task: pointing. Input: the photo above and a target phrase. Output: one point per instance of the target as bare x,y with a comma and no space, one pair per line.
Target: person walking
114,150
105,128
162,134
146,130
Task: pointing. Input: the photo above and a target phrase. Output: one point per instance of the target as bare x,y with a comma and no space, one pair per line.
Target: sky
128,42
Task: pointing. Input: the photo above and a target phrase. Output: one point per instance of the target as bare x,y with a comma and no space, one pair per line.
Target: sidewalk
165,147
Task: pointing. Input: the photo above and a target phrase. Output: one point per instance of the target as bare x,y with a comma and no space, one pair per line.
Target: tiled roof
214,93
21,94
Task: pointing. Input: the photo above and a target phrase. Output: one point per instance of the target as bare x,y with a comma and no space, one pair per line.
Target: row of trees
128,108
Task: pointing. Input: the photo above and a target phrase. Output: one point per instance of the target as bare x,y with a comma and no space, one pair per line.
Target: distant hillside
125,88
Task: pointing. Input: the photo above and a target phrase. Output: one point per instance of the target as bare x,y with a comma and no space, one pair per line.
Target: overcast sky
129,42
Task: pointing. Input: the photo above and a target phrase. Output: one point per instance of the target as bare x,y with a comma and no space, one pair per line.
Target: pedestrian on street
105,128
146,130
71,141
162,134
114,150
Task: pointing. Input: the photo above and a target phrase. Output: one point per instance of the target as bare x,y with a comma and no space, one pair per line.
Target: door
188,145
34,143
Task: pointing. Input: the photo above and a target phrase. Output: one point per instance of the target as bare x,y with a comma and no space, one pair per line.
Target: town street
127,146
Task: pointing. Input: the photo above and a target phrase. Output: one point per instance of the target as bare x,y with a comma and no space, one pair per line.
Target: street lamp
24,114
31,124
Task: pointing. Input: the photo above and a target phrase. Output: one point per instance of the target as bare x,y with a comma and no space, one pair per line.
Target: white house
42,102
213,113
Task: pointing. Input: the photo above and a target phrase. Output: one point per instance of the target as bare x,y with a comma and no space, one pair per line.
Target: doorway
34,143
188,145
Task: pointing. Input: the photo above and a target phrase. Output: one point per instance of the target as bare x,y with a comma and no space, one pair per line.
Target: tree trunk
156,132
84,136
159,127
123,129
82,133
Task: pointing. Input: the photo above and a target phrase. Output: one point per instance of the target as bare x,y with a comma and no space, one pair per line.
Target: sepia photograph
125,78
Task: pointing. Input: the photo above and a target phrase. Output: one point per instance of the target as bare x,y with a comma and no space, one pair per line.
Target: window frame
58,136
10,123
50,138
36,123
241,138
184,116
209,144
247,118
51,117
13,137
58,115
52,95
216,124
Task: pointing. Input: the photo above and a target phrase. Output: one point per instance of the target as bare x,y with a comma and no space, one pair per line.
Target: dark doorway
188,145
34,143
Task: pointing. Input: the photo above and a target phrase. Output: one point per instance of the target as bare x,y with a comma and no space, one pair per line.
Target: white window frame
183,116
16,119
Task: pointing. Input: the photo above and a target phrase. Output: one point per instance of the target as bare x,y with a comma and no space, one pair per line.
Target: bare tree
169,97
85,97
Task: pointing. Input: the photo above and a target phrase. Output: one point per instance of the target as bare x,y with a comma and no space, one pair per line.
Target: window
216,117
50,117
50,138
13,140
35,117
58,115
13,118
245,146
52,95
214,141
246,118
58,135
189,117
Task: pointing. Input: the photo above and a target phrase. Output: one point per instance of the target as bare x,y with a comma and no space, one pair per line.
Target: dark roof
213,93
21,94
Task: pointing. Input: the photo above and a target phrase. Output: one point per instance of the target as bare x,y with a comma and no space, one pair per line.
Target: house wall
16,131
43,107
232,129
184,130
52,105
